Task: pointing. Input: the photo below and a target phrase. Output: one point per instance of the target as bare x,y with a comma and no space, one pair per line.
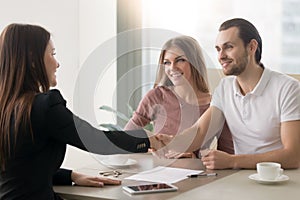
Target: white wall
97,24
61,19
78,27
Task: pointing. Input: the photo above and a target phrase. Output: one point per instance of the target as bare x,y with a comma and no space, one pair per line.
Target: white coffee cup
269,170
118,159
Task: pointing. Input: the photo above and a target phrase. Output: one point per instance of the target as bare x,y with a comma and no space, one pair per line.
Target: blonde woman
180,94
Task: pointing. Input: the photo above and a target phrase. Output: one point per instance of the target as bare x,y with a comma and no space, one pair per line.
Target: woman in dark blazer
36,125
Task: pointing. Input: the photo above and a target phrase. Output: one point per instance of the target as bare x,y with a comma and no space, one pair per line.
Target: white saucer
127,164
279,179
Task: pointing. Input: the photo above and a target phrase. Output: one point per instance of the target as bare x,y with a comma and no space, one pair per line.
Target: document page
162,174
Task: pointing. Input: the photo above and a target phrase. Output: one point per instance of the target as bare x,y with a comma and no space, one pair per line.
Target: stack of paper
162,174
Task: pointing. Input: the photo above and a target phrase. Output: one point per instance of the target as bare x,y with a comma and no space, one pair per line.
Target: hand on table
216,159
93,181
176,155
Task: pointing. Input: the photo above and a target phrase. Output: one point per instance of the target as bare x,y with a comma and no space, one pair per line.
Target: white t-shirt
255,119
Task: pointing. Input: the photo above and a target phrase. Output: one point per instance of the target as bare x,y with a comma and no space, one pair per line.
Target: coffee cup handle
280,171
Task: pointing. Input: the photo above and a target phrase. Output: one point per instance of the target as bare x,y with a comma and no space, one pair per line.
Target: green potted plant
122,116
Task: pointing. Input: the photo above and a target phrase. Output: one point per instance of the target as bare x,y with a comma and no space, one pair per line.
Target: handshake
163,145
159,143
159,140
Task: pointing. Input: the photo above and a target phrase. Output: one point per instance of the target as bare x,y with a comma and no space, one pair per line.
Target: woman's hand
176,155
92,181
164,138
155,143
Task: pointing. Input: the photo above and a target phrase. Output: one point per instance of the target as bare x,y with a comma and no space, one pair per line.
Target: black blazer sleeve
70,129
62,177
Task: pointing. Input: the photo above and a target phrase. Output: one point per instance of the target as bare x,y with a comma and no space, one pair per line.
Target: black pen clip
202,174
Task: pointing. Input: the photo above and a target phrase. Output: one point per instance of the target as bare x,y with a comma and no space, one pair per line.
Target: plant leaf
119,114
130,109
149,127
111,127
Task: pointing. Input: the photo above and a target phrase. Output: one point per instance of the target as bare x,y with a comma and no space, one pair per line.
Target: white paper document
162,174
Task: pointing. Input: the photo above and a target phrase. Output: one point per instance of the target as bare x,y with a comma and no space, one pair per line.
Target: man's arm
288,156
191,139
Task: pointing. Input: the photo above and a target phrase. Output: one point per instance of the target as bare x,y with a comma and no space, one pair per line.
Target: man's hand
217,160
92,181
158,147
155,143
164,138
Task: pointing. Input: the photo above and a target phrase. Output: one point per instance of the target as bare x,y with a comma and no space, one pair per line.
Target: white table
228,185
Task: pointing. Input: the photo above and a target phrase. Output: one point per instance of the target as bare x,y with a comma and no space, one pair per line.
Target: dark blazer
35,159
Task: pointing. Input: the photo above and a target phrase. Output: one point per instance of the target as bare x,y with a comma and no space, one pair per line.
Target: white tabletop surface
228,185
239,187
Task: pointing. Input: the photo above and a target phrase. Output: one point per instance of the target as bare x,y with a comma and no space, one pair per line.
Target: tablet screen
157,186
149,188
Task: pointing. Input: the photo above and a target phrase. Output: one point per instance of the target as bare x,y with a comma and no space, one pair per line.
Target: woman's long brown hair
193,52
22,76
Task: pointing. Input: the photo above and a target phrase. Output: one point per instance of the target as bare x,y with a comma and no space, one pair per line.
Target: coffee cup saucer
128,163
279,179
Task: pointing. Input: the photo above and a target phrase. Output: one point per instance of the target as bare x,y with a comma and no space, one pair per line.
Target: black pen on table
202,174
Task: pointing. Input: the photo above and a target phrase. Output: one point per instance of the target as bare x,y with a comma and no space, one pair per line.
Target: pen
202,174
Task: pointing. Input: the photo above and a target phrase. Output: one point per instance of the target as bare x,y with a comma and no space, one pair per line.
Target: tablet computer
149,188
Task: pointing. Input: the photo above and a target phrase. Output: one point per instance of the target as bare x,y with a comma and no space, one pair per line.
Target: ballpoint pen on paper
202,174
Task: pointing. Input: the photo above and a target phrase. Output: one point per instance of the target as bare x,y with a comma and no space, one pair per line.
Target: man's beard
237,69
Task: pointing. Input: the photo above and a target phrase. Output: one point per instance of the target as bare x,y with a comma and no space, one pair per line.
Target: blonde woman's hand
92,181
176,155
